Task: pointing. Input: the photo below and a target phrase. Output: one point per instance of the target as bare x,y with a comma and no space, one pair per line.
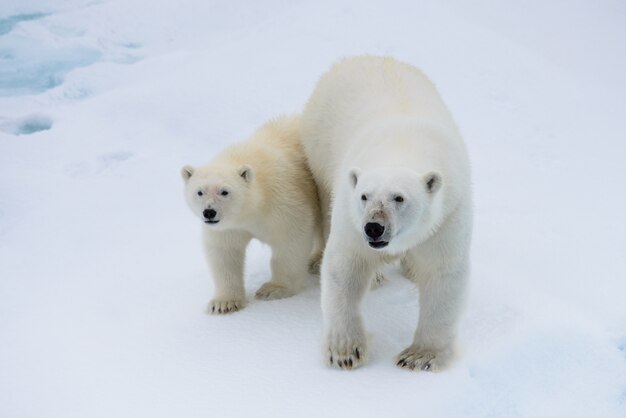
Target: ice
7,24
28,67
103,285
27,125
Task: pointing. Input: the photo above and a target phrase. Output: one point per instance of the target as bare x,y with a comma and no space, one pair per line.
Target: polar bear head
219,194
394,208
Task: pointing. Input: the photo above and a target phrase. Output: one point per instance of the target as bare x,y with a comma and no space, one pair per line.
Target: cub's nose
374,230
209,213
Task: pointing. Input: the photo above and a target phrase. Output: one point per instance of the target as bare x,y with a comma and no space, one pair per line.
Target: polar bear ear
432,181
246,173
186,172
354,175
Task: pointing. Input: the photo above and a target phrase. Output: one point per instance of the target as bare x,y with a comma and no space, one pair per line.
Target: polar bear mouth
378,244
211,222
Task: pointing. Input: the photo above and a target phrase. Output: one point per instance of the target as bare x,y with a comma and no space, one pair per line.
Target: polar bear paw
272,291
345,352
421,358
223,306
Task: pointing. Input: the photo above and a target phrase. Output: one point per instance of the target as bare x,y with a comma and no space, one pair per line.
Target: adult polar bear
394,179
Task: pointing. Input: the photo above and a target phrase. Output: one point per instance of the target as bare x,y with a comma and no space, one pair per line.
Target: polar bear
261,188
393,176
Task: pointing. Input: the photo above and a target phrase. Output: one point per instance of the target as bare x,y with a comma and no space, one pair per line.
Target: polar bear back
277,157
274,152
377,112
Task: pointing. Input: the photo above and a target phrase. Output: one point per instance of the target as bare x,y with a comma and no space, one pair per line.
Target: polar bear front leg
225,252
345,279
289,264
441,302
322,231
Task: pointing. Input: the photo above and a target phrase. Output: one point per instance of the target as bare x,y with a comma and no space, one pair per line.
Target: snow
102,279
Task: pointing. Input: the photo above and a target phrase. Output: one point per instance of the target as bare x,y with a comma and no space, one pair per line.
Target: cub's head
393,207
218,195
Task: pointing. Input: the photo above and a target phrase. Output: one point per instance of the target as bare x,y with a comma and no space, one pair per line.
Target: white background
102,281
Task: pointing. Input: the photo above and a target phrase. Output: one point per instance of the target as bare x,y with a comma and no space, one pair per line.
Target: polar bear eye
399,199
224,193
363,197
200,193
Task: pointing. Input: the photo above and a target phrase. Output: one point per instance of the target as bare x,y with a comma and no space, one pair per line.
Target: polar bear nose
209,213
374,230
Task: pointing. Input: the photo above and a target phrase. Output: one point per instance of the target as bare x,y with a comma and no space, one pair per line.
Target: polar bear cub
261,188
394,182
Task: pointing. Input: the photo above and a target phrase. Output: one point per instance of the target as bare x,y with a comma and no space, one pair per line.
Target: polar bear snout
209,216
374,230
375,233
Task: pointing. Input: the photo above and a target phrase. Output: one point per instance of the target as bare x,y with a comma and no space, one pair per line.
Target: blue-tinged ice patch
132,45
8,23
28,66
103,164
33,124
113,158
26,125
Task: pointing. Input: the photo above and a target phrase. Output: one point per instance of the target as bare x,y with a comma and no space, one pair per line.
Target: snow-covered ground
102,279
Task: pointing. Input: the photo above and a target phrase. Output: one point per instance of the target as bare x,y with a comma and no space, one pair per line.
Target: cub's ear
186,172
432,181
354,174
246,173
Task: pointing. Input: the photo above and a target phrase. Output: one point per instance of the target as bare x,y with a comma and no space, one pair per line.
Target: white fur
377,128
263,189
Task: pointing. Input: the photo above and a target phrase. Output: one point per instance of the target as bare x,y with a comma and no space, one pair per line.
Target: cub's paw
344,351
224,306
271,291
421,358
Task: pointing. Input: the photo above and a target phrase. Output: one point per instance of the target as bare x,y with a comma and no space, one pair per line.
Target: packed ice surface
102,281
